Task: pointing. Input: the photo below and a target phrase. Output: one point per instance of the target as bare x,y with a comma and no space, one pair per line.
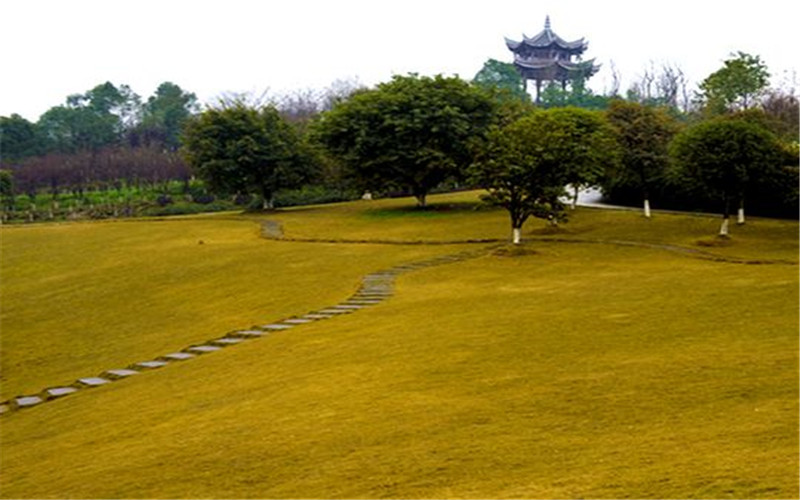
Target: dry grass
577,370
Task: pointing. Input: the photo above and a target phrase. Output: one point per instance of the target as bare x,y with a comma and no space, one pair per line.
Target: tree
90,121
241,149
412,132
643,134
736,85
724,158
500,75
6,189
164,114
18,138
526,164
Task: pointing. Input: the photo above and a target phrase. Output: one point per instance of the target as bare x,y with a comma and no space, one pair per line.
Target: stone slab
318,316
93,381
178,356
57,392
27,401
363,302
4,408
297,321
152,364
249,333
335,311
349,306
228,341
276,326
204,348
121,373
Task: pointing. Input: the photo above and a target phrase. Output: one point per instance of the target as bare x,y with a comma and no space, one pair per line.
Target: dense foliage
725,159
526,165
643,134
410,133
241,149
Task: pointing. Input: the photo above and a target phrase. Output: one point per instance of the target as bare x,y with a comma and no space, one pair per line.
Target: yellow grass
573,370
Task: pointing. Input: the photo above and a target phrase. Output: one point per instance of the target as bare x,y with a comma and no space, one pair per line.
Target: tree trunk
268,203
575,198
723,230
740,215
421,199
516,235
647,208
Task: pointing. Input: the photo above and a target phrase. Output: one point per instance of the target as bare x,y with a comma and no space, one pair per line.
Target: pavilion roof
547,38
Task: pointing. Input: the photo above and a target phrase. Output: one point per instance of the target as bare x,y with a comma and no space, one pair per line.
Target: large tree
526,164
736,85
164,114
411,133
18,138
644,134
241,149
725,158
90,121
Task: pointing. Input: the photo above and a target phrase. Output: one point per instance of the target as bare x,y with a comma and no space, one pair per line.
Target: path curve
375,288
272,230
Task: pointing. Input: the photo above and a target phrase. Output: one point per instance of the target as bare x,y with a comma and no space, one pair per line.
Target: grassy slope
579,370
82,298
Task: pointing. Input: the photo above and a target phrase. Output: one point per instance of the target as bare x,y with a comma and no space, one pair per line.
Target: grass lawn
575,370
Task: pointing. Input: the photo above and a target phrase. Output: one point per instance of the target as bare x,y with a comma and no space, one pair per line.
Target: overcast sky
50,49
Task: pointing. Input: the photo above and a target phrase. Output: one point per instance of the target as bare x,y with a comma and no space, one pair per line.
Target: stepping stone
57,392
228,341
4,408
27,401
348,306
93,381
204,348
151,364
276,326
248,333
178,356
336,311
297,321
363,302
120,373
318,316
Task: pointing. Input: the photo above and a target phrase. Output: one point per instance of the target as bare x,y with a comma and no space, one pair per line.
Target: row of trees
411,135
414,133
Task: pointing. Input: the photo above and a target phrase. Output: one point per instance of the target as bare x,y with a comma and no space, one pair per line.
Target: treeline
412,135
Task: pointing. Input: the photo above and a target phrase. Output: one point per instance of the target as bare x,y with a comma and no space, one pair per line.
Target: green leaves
412,132
526,164
243,149
735,85
726,157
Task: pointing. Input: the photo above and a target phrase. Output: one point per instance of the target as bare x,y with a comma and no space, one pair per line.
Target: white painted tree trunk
723,229
268,204
516,235
740,217
575,198
647,208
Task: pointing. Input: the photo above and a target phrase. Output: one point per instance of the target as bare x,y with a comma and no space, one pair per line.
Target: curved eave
512,44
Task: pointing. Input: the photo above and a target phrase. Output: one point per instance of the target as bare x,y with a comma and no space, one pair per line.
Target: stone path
374,289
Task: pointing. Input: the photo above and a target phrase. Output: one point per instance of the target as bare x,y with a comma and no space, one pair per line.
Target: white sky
52,48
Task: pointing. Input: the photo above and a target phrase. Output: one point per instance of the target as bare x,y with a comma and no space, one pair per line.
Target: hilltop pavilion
548,57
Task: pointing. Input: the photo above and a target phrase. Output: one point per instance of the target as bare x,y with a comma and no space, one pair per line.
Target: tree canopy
526,164
410,133
644,134
240,149
736,85
725,157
